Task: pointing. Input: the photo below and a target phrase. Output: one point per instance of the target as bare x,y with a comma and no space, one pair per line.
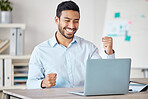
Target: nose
71,25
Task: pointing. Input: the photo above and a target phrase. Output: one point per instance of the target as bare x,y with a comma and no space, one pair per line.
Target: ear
57,20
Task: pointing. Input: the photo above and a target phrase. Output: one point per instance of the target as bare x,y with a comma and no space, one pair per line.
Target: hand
49,81
107,45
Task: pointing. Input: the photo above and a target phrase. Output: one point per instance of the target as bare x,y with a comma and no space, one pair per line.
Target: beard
64,34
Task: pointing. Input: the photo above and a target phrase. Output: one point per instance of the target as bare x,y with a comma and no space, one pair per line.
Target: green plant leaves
5,5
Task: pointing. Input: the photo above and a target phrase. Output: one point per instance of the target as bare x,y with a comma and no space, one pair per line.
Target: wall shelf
13,25
15,71
15,57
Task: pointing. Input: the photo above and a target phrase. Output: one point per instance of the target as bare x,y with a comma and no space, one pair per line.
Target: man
61,60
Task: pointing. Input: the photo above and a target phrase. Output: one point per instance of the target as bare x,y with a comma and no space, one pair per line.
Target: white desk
61,93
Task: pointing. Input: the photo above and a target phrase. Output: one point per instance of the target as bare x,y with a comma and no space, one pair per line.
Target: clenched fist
107,44
49,81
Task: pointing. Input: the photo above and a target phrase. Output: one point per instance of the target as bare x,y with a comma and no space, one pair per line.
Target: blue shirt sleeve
52,57
36,71
95,54
110,56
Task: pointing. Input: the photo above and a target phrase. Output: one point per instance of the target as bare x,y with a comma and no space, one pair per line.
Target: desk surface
62,93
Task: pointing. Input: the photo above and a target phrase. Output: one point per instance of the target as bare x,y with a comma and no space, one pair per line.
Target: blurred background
126,21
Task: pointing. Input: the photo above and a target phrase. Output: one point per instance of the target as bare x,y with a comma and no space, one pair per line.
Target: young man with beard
61,60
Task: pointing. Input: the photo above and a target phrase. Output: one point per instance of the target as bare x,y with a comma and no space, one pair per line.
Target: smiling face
68,23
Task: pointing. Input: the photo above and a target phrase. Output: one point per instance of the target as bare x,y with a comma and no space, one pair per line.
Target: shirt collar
74,40
53,40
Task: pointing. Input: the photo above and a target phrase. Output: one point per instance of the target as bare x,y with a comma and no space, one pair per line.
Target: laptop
106,77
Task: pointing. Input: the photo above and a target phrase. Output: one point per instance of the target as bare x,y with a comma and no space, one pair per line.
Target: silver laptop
106,76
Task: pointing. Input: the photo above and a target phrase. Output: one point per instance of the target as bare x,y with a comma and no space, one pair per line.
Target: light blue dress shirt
68,62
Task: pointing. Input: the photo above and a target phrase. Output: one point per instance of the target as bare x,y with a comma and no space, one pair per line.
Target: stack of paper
137,87
3,45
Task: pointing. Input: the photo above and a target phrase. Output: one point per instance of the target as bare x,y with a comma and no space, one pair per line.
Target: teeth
68,30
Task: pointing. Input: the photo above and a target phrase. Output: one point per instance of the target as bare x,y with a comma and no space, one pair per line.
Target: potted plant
5,11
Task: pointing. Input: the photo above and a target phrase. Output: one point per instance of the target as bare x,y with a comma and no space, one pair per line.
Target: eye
76,21
67,20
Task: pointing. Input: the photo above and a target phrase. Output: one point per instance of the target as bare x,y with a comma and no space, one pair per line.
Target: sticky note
127,38
111,35
120,26
129,22
126,32
143,16
117,15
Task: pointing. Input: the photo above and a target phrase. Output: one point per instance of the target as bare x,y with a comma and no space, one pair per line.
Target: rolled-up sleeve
36,71
110,56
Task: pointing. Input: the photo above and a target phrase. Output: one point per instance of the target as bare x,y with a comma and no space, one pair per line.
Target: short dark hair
66,5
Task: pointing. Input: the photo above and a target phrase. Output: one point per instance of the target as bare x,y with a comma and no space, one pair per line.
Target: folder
1,72
20,42
13,34
7,72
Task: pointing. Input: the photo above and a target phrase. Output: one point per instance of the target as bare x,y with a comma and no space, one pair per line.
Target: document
137,87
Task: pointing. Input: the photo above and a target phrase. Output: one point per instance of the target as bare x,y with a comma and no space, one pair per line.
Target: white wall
39,15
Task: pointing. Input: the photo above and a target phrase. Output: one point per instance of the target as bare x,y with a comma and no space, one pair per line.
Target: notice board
127,22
